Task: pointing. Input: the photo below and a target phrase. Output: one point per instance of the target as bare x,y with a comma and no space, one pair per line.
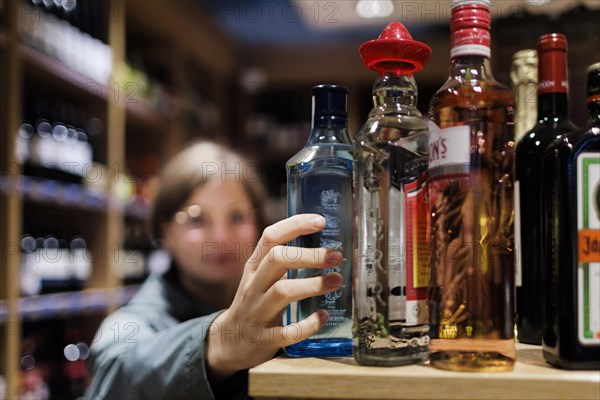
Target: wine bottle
391,269
553,122
471,144
320,181
571,331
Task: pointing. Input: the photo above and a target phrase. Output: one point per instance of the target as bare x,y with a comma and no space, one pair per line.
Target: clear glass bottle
471,165
391,152
553,122
320,181
571,292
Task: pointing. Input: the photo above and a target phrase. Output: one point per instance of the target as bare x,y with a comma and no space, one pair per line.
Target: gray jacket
153,348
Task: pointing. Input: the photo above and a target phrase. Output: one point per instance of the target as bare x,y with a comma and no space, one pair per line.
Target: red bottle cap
552,66
552,41
472,15
395,50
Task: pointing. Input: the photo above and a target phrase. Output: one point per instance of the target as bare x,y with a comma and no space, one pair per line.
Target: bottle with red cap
390,324
471,149
553,122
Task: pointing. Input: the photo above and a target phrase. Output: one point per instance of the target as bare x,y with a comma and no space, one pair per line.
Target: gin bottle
391,154
320,181
471,198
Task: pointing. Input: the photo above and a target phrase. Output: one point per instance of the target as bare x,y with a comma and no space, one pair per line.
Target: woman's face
214,234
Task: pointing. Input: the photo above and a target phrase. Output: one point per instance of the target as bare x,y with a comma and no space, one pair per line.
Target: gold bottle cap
524,68
592,67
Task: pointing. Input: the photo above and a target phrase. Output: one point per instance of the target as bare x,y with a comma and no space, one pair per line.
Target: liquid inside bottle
320,181
391,269
471,199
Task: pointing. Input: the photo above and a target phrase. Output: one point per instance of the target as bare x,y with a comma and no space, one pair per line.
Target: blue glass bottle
320,181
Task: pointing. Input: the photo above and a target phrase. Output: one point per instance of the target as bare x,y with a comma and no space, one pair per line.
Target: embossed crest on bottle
320,181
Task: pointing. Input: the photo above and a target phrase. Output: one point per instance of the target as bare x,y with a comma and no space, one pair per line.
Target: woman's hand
250,331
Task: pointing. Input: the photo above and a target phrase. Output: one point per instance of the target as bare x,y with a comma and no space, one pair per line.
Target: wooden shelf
53,69
55,193
342,378
67,304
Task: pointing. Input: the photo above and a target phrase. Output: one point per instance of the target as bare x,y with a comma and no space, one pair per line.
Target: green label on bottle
588,248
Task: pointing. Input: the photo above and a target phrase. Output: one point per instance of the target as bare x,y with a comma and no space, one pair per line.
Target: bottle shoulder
542,135
575,142
322,151
391,128
472,93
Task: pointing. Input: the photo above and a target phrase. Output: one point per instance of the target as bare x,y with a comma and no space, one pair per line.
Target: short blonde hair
196,165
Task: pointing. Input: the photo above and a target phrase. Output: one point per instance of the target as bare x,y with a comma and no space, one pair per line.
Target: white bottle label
449,150
518,255
588,248
368,288
396,257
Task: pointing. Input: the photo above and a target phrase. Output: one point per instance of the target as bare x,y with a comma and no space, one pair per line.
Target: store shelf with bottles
68,304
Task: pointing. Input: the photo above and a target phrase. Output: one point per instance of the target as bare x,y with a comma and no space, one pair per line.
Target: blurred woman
194,331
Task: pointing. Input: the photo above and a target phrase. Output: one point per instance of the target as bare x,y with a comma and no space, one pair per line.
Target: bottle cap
552,41
552,67
395,50
470,28
593,82
524,67
474,14
330,101
459,3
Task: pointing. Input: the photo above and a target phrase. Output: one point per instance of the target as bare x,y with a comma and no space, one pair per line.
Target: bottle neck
593,109
553,97
329,129
553,105
393,88
471,67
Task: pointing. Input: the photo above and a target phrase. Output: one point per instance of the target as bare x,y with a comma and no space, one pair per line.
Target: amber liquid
472,237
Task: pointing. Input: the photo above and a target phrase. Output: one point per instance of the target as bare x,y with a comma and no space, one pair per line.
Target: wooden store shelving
341,378
200,55
128,121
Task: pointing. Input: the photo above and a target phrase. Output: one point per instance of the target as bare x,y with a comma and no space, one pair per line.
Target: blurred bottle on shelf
53,354
74,32
56,146
571,285
49,264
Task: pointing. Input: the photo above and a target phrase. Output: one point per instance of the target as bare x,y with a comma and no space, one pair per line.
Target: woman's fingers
282,258
286,291
284,231
294,333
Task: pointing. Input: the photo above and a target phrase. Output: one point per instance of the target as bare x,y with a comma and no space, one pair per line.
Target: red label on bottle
417,262
553,72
